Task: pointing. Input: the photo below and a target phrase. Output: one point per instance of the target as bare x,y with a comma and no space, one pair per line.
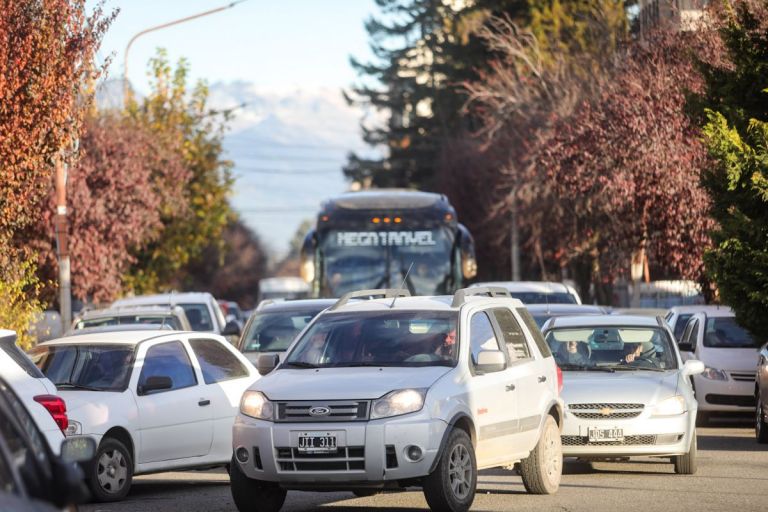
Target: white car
152,400
626,389
36,391
538,292
402,391
730,355
677,316
203,311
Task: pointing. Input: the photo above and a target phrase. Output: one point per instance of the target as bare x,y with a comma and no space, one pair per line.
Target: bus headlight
468,267
307,270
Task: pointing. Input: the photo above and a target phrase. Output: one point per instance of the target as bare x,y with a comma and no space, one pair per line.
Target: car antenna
405,278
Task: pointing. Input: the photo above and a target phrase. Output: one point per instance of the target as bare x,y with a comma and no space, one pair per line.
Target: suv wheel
451,486
110,474
542,469
686,464
761,426
254,495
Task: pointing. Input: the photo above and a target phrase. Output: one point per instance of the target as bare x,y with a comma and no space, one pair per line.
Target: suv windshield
388,338
612,348
724,332
92,367
274,332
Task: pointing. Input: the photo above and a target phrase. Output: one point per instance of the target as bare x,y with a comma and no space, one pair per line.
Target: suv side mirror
231,329
685,347
489,361
693,367
78,449
267,363
155,383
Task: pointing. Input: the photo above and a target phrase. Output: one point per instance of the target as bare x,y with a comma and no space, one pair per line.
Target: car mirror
155,383
231,329
685,347
693,367
267,363
489,361
78,449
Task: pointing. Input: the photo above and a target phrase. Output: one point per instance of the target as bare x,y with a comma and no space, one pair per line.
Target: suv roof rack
460,297
386,293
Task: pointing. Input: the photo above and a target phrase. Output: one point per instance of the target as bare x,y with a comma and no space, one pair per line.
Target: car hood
345,383
730,359
644,387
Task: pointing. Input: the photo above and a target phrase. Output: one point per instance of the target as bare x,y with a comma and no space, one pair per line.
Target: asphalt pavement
732,475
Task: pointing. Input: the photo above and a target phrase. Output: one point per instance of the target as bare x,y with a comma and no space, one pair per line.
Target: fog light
242,455
413,453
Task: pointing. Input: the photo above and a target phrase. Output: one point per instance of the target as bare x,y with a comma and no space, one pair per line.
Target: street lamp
126,88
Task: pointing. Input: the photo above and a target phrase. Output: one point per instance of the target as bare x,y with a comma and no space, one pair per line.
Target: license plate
317,442
606,435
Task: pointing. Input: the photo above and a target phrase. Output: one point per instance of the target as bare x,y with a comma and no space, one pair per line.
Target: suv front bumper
370,453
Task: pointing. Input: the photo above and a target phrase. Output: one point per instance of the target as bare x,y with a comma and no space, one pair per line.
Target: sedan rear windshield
88,367
154,319
274,332
544,298
724,332
388,338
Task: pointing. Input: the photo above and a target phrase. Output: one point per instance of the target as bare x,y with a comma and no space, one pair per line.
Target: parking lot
732,475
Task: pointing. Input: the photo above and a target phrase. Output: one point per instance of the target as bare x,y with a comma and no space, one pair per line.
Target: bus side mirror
307,268
467,251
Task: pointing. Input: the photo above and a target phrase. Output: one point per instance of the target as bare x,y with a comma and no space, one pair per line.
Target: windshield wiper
299,364
628,368
72,385
571,366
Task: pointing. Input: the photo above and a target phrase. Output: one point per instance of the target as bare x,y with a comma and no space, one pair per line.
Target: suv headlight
714,374
670,407
395,403
256,405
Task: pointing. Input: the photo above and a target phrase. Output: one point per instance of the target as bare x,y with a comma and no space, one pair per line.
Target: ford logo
319,411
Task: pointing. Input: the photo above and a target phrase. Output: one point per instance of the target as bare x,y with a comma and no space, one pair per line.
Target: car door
226,376
174,423
492,395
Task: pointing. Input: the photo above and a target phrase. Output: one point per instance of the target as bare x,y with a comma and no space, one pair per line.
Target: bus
371,239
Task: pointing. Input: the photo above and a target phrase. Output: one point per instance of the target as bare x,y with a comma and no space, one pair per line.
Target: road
733,475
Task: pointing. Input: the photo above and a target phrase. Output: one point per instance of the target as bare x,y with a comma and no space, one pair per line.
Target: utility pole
126,85
61,225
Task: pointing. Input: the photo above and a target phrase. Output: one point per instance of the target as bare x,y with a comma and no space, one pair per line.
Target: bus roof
386,199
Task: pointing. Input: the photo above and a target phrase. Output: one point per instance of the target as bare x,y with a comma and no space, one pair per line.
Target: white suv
402,391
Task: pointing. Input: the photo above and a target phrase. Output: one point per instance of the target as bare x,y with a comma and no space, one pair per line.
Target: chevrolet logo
606,411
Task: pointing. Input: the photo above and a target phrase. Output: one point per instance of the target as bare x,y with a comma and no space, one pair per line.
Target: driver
446,348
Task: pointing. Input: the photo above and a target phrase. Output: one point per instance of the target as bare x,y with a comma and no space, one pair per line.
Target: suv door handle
510,387
203,402
542,378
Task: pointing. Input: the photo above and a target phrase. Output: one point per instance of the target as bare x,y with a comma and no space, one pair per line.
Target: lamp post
126,87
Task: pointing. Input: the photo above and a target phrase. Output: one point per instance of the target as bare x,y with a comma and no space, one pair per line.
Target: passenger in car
572,352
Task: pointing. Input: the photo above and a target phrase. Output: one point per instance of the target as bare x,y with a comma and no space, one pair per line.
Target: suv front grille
606,411
743,376
628,441
340,410
351,458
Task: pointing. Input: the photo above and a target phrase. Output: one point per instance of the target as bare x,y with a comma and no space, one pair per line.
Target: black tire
761,426
451,486
110,474
543,468
702,419
254,495
687,464
366,493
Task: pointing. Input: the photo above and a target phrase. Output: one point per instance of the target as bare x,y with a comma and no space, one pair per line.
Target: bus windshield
356,260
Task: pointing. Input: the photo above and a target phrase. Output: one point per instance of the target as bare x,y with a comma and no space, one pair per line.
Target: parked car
729,353
538,292
761,396
275,324
35,390
152,400
402,391
626,390
172,316
202,310
32,477
543,312
677,316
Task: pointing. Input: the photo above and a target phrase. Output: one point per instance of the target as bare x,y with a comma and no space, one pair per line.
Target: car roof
528,286
270,305
421,303
128,311
126,337
164,299
575,309
710,309
604,321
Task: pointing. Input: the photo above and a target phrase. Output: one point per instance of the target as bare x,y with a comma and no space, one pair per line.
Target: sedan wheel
111,473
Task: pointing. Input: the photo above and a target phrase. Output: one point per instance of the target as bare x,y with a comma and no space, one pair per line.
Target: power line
284,172
277,210
281,158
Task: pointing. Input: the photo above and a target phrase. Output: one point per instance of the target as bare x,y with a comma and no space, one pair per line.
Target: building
671,14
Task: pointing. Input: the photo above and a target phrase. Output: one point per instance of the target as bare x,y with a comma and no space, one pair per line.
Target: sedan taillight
57,407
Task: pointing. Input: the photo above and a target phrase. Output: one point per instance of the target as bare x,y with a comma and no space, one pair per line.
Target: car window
682,320
99,366
535,331
481,335
218,363
514,338
168,360
20,358
724,332
274,332
693,336
544,298
198,316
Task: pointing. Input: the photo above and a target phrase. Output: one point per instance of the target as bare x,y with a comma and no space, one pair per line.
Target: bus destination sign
384,238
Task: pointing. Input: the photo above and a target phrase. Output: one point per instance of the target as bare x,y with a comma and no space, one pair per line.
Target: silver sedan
626,389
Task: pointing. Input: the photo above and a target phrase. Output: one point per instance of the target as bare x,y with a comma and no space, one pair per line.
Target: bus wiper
72,385
299,364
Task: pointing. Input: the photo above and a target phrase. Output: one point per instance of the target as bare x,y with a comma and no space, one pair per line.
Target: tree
734,114
181,119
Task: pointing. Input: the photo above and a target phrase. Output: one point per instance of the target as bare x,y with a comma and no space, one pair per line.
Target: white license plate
606,435
317,442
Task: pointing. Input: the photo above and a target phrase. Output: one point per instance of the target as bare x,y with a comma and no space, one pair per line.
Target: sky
288,61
